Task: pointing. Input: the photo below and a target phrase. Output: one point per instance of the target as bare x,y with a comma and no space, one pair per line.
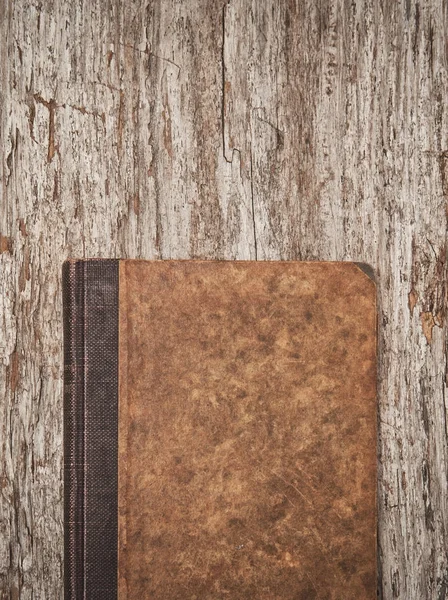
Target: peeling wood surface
238,130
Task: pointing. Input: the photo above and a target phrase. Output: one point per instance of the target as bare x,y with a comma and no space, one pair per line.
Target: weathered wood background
258,129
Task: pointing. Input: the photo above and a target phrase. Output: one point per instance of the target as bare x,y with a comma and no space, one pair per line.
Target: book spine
74,410
90,324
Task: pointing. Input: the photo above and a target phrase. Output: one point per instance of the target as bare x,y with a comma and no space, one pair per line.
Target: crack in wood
50,105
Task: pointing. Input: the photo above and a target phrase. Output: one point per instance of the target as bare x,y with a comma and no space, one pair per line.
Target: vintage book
219,430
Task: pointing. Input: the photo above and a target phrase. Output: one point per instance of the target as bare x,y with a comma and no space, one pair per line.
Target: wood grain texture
241,129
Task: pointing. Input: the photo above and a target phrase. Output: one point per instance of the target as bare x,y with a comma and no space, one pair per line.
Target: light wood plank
237,130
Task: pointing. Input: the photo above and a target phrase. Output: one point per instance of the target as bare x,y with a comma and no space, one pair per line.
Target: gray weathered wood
249,130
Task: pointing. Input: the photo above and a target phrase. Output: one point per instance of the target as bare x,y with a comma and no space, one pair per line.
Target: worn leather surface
247,431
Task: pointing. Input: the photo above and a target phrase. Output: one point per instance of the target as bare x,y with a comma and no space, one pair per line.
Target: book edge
122,431
73,312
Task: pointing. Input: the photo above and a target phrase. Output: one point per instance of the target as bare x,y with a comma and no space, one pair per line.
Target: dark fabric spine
74,451
90,319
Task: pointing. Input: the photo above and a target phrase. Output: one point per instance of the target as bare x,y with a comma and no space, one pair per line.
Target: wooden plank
296,130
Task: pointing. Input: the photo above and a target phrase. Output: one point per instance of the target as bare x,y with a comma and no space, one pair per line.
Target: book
219,430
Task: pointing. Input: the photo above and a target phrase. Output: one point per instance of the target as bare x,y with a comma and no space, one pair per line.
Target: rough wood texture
245,129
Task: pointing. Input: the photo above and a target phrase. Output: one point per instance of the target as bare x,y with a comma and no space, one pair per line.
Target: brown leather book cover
219,430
